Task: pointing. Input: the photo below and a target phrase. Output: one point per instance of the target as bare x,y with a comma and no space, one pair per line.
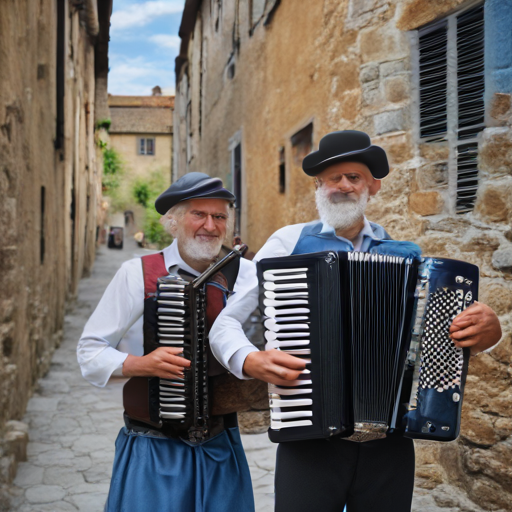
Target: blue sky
143,45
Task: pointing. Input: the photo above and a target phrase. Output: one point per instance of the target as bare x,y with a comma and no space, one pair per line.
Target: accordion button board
374,332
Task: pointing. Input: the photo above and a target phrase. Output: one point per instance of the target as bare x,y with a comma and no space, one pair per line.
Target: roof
141,101
148,120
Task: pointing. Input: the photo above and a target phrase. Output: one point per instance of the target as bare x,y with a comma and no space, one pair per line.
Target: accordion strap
153,267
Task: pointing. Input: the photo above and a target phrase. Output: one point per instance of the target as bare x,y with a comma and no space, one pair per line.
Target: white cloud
137,76
166,41
138,15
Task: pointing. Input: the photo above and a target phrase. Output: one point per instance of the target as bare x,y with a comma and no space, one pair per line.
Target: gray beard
200,251
341,213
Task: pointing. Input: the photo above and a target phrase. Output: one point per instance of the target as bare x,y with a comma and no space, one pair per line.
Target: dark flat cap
347,146
193,185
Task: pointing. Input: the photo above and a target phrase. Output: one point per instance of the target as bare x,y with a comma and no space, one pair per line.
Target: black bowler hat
347,146
193,185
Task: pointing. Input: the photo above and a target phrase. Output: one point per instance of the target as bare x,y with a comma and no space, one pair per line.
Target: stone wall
349,65
50,189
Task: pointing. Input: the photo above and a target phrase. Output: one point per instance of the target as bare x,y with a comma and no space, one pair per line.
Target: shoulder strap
153,267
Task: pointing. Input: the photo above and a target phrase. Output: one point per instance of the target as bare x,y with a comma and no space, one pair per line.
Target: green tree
145,191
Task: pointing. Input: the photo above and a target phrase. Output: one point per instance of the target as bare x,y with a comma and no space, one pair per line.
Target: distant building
141,132
259,83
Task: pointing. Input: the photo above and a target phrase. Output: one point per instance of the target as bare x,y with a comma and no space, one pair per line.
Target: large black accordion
374,332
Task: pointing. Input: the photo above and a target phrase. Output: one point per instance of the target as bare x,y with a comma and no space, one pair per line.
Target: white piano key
171,342
165,302
174,312
288,392
283,319
171,329
167,398
279,303
171,336
298,352
172,415
271,277
290,415
283,295
170,286
168,391
272,336
291,343
174,319
176,407
273,312
297,402
272,325
298,382
290,286
278,425
284,270
170,303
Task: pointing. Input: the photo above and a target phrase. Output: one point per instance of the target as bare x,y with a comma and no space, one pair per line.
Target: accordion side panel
440,367
294,293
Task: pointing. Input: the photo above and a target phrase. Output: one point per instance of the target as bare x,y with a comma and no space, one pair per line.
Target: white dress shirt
228,341
114,330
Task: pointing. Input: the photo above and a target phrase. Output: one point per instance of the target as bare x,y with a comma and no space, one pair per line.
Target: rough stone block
477,428
432,176
426,203
435,151
503,353
369,73
493,202
496,295
371,95
358,7
393,67
502,259
254,422
390,121
397,89
382,43
398,147
500,105
45,493
416,13
495,151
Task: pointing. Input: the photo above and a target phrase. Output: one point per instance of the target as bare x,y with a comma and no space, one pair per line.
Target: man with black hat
320,474
154,472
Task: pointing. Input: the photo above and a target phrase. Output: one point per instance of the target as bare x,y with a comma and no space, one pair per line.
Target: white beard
199,250
339,211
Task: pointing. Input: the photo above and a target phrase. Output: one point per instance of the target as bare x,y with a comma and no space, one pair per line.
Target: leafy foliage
145,191
103,123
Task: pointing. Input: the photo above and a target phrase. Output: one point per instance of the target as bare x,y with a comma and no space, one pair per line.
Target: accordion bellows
374,332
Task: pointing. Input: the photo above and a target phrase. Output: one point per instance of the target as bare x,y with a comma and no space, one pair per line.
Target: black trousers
325,475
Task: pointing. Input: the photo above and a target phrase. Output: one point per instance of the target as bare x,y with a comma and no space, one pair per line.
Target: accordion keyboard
173,331
287,326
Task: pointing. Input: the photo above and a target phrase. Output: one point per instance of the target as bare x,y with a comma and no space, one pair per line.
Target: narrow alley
73,425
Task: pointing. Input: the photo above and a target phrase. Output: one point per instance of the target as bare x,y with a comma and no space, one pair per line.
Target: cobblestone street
73,425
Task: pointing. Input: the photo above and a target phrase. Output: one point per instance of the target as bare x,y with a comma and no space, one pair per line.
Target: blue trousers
170,475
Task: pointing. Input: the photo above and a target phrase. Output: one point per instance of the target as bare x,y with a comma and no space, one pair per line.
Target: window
302,144
451,94
236,170
146,146
42,233
282,171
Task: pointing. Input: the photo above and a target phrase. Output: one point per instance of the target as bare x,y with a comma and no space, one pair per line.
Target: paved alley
73,425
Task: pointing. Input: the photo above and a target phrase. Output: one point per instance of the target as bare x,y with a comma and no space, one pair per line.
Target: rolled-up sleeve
120,307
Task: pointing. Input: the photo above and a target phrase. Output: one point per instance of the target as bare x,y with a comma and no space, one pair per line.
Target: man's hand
477,327
164,362
273,366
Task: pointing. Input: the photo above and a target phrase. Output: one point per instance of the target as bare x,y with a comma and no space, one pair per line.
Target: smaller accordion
178,315
373,330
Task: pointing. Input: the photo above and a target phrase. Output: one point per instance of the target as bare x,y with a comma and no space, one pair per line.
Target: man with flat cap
152,471
326,475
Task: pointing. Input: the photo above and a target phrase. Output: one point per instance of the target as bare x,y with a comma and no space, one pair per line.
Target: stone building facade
259,83
141,132
53,56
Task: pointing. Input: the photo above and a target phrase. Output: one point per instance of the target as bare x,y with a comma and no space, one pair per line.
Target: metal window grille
470,94
433,83
451,94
